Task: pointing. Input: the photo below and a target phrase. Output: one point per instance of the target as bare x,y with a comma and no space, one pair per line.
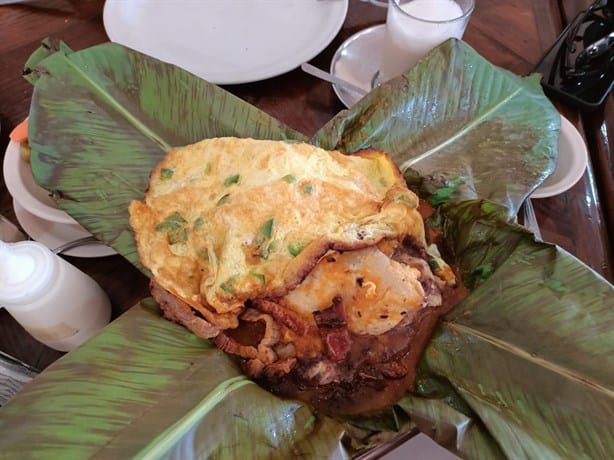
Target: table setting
518,177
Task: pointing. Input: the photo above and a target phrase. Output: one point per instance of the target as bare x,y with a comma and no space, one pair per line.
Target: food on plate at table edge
20,134
310,265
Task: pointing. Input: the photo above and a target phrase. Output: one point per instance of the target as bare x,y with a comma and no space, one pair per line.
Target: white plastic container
55,302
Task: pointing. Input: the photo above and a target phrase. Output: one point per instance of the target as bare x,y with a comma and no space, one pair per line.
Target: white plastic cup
415,27
55,302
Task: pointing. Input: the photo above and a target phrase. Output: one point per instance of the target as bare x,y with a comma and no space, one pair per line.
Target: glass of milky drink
414,27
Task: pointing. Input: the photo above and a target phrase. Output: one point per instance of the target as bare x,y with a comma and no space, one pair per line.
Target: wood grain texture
510,33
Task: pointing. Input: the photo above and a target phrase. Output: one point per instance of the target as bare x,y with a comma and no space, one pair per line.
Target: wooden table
510,33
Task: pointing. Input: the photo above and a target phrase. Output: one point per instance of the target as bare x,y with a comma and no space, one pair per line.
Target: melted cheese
377,292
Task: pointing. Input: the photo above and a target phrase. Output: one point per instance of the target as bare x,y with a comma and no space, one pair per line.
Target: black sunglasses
579,67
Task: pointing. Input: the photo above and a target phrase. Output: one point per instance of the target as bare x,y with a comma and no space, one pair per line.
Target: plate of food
169,377
36,210
23,188
227,42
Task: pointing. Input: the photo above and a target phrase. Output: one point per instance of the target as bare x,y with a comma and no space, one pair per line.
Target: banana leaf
103,118
113,396
529,353
518,369
459,124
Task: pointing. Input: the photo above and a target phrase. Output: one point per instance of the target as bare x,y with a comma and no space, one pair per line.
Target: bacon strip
229,345
259,356
332,325
180,312
282,314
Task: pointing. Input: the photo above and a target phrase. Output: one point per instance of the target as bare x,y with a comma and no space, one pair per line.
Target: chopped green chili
407,200
266,251
178,236
229,285
295,249
198,223
308,189
166,173
172,223
266,229
434,263
289,178
234,179
223,199
227,288
259,276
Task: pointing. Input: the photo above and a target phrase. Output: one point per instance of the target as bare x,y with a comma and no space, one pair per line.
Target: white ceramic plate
38,214
54,234
570,165
227,41
21,186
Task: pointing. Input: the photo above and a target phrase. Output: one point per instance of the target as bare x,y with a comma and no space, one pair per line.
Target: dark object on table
579,67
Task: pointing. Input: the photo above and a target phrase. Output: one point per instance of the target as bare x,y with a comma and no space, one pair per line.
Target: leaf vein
165,146
517,351
165,440
461,132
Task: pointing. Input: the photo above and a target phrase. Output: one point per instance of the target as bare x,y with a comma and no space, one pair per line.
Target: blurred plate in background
227,41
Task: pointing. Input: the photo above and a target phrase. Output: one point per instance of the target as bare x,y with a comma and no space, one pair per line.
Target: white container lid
27,269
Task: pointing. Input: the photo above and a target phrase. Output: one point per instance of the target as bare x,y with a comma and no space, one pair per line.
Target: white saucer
349,63
356,61
54,234
570,164
227,41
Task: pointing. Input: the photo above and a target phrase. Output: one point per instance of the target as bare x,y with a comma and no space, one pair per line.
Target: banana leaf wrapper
519,369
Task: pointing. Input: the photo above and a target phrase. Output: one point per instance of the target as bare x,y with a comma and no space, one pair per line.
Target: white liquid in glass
410,36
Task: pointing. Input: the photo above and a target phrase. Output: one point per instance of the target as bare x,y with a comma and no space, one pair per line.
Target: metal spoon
74,243
321,74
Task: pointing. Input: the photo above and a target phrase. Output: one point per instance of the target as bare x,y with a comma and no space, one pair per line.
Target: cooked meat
322,361
310,266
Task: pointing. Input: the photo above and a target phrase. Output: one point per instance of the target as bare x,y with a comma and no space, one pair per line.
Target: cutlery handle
312,70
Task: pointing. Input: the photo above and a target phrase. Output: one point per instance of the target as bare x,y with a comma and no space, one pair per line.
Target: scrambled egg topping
227,219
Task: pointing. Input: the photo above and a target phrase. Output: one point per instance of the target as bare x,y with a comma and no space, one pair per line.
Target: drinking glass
414,27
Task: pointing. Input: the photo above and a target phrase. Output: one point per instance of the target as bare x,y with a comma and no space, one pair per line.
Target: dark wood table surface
512,34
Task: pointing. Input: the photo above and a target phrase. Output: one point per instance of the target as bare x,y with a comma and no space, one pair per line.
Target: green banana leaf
137,389
456,119
103,118
518,369
529,352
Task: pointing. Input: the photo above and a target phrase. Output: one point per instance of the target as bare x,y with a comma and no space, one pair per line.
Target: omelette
309,265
